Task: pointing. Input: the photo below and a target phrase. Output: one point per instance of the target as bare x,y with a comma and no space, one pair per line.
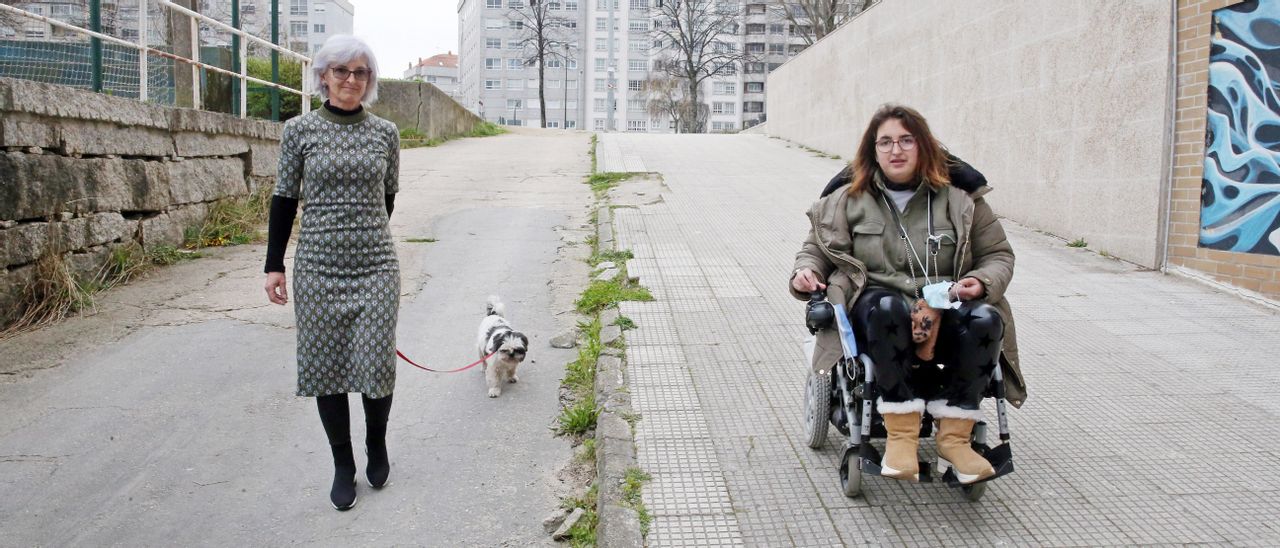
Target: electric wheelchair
845,395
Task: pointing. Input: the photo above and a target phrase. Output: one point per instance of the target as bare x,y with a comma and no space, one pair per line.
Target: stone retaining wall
83,173
424,107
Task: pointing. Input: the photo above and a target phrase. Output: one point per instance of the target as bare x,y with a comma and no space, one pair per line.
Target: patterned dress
346,281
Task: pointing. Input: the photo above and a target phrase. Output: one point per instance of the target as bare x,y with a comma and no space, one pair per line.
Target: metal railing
194,19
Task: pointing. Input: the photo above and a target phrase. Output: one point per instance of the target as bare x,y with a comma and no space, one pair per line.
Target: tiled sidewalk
1152,417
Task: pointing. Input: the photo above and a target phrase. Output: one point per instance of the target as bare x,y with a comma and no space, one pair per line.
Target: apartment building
441,70
602,84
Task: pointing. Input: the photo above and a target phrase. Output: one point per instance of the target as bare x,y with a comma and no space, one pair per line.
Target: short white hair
341,49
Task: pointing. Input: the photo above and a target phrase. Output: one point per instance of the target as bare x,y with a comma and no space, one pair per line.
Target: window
493,4
515,64
573,64
754,68
431,79
494,24
606,4
554,63
571,84
753,106
723,126
599,124
571,5
775,29
573,124
600,64
639,4
515,83
755,47
513,103
755,9
727,69
552,123
493,43
514,45
515,4
637,65
602,44
634,85
297,7
722,108
754,87
637,45
533,84
492,84
602,24
635,106
33,30
553,84
755,28
492,63
600,84
318,28
553,6
722,88
319,8
515,25
598,104
641,25
637,125
298,29
776,48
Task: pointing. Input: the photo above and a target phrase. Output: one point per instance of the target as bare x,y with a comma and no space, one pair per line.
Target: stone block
609,334
99,138
13,287
24,130
23,244
619,527
264,158
199,121
205,180
63,102
86,264
42,185
169,228
190,144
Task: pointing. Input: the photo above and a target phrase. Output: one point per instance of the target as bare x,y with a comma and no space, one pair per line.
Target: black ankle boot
343,493
376,412
379,464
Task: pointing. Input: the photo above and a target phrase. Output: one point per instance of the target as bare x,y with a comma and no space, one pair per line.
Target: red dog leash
473,364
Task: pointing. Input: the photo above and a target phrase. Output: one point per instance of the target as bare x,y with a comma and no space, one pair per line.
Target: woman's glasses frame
342,73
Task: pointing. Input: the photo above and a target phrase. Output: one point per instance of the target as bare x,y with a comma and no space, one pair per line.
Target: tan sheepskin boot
954,451
901,460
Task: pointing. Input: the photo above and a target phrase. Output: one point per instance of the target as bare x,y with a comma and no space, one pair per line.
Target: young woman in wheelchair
874,245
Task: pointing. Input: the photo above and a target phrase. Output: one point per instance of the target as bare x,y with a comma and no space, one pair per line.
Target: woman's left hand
969,289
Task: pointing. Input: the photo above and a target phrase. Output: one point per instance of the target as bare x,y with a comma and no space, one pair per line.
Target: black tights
968,345
335,414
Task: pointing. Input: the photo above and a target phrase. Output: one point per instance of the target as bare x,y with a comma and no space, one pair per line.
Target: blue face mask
938,295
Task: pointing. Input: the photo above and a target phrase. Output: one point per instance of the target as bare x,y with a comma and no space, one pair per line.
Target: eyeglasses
905,143
342,73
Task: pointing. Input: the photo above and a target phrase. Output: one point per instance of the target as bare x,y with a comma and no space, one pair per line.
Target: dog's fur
507,345
925,322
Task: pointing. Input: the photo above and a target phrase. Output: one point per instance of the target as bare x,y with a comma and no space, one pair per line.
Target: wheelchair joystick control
819,313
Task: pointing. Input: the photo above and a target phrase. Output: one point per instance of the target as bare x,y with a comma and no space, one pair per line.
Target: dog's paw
495,392
514,379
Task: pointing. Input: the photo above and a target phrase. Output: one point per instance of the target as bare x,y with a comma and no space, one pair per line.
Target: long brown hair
932,164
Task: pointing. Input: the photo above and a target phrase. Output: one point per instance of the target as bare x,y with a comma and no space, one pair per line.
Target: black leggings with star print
968,349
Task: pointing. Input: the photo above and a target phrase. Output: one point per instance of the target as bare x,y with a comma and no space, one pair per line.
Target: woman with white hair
342,163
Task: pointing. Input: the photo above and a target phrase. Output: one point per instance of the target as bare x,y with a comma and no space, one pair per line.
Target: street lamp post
565,83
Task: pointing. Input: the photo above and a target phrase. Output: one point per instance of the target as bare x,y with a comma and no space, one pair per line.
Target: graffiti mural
1240,193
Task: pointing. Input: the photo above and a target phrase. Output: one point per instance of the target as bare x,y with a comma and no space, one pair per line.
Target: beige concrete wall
1061,103
423,106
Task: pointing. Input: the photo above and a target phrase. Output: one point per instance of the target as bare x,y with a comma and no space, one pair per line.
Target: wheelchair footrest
1000,457
870,464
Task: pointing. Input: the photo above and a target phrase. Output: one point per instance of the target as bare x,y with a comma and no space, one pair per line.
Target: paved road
1152,417
169,418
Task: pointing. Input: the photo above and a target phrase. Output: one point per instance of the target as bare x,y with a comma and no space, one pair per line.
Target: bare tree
813,19
665,98
541,40
695,37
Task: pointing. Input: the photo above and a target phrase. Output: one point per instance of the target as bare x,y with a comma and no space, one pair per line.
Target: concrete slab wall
83,174
423,106
1061,103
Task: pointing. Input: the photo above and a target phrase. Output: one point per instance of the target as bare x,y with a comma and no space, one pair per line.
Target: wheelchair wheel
850,474
817,408
973,493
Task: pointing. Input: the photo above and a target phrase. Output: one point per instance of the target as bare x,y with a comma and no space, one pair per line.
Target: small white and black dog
507,345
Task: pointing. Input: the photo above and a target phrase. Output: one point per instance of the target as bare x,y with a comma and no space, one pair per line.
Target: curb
619,525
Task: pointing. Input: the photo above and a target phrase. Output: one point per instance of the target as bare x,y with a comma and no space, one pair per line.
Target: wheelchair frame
850,402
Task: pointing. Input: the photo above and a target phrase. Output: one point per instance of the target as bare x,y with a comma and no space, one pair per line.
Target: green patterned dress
346,281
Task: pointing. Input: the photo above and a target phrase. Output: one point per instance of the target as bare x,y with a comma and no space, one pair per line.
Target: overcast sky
401,31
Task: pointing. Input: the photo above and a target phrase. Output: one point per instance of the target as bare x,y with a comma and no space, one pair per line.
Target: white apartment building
495,81
612,65
441,70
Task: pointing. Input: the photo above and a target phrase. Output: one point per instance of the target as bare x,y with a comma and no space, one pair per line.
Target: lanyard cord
910,248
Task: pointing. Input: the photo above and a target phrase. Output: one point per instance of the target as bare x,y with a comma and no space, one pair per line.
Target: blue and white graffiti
1240,193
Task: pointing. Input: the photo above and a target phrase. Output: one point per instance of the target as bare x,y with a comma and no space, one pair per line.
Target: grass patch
632,484
594,141
486,129
232,222
581,417
602,182
421,240
1078,242
580,374
625,323
610,256
602,294
588,451
413,138
583,535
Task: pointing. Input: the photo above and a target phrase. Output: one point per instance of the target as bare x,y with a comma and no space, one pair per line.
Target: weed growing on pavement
602,182
610,256
594,141
486,129
602,294
632,484
625,323
580,374
588,451
581,417
583,535
1078,242
232,222
412,138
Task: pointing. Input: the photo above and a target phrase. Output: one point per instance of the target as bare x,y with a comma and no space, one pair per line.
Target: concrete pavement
1152,416
168,417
